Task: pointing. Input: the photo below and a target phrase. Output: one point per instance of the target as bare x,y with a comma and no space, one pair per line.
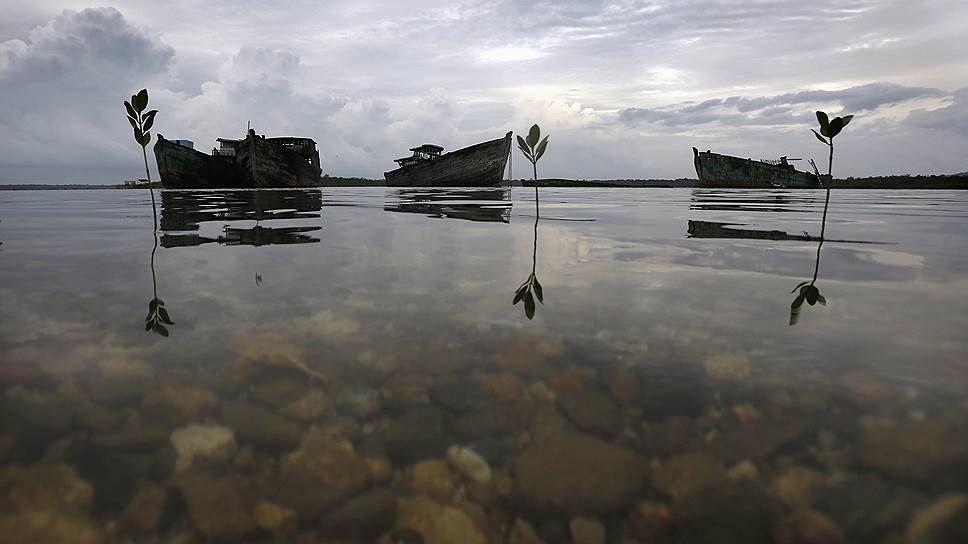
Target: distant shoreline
949,182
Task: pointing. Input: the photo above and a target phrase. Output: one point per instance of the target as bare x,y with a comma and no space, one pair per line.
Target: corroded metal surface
480,165
715,170
185,168
269,163
258,162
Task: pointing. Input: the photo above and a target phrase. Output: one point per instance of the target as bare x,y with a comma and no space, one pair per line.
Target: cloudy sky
625,88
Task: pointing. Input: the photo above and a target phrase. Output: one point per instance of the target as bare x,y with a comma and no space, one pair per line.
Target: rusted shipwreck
716,170
480,165
252,162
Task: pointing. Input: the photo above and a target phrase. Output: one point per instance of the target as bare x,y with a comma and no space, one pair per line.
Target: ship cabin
305,147
226,147
423,153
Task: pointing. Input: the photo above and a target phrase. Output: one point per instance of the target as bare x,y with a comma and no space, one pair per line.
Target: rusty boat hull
278,162
725,171
480,165
255,162
182,167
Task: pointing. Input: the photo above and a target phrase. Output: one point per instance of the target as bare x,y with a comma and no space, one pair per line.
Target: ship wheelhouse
421,154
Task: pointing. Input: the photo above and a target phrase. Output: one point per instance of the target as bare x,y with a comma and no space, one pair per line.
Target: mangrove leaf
140,101
533,136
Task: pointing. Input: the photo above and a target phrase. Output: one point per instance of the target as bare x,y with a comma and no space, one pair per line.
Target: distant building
185,143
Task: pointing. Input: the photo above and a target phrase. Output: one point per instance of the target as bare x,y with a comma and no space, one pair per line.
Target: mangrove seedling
828,129
142,121
533,147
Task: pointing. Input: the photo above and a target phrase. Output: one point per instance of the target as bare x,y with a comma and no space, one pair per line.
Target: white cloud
626,85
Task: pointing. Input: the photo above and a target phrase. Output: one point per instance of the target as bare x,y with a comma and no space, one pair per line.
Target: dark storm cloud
625,87
61,88
92,46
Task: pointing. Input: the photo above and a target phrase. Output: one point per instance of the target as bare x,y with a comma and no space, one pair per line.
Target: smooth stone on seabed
218,508
575,473
868,508
438,523
469,463
364,516
917,451
943,521
45,486
586,531
321,475
594,411
523,533
733,512
274,518
308,407
179,403
809,527
432,478
143,514
211,442
683,474
48,527
260,426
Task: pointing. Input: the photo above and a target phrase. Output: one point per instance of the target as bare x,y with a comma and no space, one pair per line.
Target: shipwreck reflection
192,210
755,200
491,205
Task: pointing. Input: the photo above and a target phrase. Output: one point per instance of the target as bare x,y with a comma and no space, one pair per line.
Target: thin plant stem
154,212
154,280
816,267
823,228
537,214
830,162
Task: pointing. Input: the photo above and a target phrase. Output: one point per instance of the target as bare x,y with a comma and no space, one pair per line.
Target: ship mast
510,165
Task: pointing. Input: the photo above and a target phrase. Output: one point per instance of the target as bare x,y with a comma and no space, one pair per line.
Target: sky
624,88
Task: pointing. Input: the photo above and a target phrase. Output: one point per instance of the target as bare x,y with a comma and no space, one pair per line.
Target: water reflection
157,316
492,205
757,201
642,404
531,288
713,229
189,210
808,291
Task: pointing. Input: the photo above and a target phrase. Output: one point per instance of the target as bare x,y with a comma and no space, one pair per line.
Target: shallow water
327,347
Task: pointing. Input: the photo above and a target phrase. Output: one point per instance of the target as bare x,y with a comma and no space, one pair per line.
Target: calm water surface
348,365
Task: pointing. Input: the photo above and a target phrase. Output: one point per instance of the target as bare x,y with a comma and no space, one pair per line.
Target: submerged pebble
211,442
469,463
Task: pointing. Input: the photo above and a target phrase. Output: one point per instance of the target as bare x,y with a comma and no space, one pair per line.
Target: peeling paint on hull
185,168
480,165
258,163
715,170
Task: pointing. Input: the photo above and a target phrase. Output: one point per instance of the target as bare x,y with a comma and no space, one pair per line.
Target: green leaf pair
831,127
140,122
533,147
